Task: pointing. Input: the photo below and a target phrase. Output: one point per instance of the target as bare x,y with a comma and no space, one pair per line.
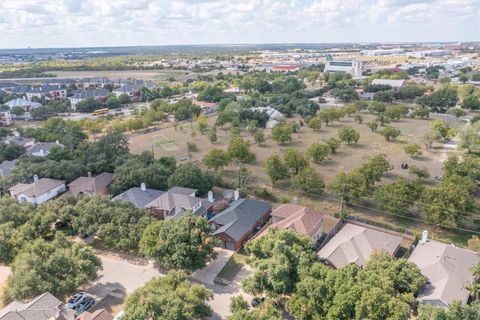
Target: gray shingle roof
43,307
7,166
90,93
240,217
45,146
138,197
447,269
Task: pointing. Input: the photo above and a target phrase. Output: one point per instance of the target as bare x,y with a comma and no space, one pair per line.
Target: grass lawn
347,158
233,266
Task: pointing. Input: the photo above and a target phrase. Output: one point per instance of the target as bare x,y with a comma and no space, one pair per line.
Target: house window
23,199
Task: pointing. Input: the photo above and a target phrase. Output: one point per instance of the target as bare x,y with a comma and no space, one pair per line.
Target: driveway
210,272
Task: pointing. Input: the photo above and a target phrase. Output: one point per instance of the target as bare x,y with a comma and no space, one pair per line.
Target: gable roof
355,244
7,166
45,146
24,103
43,307
90,93
447,269
176,201
240,217
298,218
36,188
92,184
139,197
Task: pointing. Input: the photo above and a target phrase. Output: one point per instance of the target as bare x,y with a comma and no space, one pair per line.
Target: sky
90,23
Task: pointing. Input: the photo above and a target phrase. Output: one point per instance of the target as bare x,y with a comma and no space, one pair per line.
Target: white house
39,191
23,103
274,115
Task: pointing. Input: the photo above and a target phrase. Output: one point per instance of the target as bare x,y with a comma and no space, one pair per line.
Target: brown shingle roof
298,218
36,188
92,184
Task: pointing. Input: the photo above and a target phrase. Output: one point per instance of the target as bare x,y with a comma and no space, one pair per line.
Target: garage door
230,245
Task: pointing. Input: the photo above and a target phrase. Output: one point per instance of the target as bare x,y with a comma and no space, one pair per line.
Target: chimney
57,142
143,186
210,196
295,200
35,177
236,195
424,237
89,174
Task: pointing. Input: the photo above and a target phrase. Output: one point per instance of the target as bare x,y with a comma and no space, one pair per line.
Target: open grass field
170,142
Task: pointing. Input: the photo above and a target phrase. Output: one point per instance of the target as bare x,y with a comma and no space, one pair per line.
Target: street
120,275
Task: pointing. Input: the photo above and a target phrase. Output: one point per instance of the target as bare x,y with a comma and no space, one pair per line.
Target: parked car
256,301
75,300
85,305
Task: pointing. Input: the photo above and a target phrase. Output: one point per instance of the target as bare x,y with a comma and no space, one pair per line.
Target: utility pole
343,207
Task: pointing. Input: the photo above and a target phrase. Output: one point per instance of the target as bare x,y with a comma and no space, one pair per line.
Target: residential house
274,115
5,118
207,107
23,103
92,83
355,243
394,83
43,307
132,90
139,196
447,269
48,92
39,191
42,149
91,185
300,219
21,141
237,223
6,167
81,95
101,314
176,201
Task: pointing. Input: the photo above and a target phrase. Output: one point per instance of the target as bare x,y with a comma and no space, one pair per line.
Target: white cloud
158,22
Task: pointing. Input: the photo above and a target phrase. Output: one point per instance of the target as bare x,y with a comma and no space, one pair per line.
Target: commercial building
346,66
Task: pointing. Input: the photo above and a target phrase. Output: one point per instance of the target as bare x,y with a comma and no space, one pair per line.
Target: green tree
348,186
333,144
212,136
349,135
447,204
275,168
282,133
58,267
372,125
259,137
18,111
398,197
469,138
124,99
457,112
172,297
294,160
317,152
186,243
374,168
190,176
413,150
309,181
240,310
454,311
239,149
277,259
420,173
216,159
471,102
390,133
315,123
113,103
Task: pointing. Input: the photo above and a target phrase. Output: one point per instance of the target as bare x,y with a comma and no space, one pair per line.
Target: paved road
125,276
